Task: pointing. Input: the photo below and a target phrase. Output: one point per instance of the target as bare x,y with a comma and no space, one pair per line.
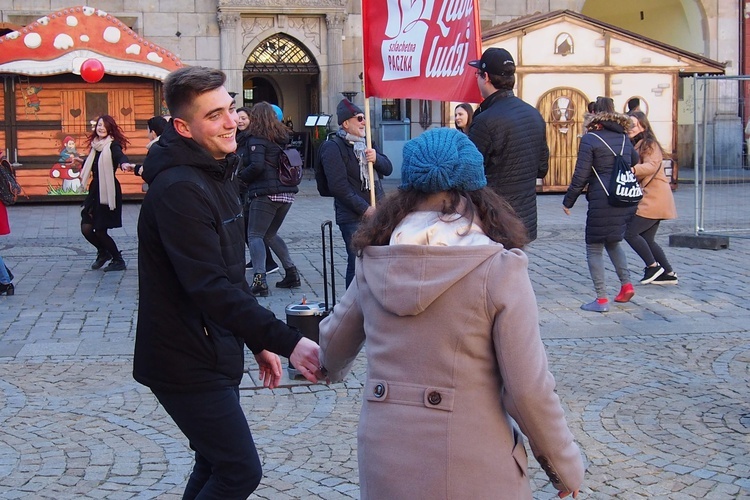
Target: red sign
419,49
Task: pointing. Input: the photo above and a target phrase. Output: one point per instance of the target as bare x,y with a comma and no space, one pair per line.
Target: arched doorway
562,109
281,70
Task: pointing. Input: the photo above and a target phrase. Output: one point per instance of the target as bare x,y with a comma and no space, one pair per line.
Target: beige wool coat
658,200
453,352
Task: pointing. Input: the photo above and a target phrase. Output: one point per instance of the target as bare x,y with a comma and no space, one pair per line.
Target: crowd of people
436,267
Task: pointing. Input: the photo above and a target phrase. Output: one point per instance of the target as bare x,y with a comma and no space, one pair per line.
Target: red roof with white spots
60,42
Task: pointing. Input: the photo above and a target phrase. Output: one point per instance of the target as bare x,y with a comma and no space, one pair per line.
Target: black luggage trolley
307,315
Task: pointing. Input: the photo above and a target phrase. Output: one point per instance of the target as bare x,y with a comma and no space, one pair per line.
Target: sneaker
596,306
272,269
115,265
666,279
651,273
101,258
626,293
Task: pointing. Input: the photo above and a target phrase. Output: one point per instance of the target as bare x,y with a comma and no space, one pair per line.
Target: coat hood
173,150
406,279
593,119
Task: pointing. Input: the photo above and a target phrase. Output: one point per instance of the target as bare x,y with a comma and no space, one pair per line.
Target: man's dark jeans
347,231
226,462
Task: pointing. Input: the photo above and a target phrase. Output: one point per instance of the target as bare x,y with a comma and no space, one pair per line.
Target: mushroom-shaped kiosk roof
60,42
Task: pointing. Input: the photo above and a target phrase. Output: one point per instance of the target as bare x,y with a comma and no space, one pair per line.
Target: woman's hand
566,210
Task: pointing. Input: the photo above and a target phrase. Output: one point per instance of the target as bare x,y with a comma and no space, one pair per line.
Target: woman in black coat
269,199
102,208
605,224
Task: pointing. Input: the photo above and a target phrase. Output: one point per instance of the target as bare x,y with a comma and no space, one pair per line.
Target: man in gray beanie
344,158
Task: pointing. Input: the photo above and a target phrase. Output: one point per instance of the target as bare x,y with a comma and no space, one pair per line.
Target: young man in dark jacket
510,134
196,312
344,158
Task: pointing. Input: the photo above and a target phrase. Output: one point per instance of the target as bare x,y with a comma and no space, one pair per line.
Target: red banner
419,49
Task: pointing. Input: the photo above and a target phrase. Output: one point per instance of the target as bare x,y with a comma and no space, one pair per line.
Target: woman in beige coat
443,299
656,205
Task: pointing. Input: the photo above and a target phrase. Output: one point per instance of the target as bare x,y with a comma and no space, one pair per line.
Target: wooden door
563,110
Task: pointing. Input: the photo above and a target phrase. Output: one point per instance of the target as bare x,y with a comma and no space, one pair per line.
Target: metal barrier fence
720,159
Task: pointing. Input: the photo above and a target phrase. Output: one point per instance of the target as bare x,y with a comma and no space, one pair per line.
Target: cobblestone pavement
656,391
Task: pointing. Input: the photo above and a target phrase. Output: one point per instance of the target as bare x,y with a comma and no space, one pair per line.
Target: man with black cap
510,134
344,158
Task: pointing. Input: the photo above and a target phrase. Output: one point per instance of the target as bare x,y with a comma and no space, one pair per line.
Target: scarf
106,174
359,145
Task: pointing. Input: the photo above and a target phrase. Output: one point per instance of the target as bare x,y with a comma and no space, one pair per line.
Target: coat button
379,390
434,398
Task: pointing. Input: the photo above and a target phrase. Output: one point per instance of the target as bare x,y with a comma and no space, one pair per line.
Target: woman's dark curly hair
495,216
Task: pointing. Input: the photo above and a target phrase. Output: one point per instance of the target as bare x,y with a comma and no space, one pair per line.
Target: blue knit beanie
440,160
279,113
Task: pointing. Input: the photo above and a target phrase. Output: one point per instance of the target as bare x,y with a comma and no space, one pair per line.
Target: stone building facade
302,54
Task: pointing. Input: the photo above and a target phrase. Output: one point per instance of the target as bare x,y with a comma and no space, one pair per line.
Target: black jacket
604,223
342,171
195,308
512,137
260,172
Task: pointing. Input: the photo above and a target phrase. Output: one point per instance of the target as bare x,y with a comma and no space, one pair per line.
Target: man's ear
182,127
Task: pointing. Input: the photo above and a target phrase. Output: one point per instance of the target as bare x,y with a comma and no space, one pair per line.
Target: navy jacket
512,137
342,171
604,223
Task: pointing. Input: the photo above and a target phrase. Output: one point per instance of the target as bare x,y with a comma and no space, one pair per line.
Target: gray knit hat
346,109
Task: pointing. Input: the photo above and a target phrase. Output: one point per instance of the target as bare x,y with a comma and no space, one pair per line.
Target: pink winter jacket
453,353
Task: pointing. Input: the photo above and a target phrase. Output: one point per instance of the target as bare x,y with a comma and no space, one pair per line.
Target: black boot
291,279
8,289
117,264
260,286
102,256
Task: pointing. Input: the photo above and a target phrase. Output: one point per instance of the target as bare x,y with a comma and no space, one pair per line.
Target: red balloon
92,70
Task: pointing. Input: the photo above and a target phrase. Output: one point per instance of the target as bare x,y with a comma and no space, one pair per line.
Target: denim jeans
347,231
264,220
4,277
595,259
226,461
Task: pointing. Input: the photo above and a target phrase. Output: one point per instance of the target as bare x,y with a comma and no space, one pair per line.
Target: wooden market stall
47,109
564,60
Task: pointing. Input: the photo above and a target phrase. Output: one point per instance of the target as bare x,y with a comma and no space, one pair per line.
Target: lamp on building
350,95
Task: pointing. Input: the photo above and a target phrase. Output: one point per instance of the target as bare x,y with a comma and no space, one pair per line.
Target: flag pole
370,166
368,130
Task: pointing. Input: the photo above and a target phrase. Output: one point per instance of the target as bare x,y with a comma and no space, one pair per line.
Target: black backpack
320,174
624,189
9,187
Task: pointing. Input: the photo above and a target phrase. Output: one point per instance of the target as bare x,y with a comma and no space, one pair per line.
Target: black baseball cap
495,61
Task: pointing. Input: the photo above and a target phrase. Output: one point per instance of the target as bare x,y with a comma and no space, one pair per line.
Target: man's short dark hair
634,104
182,87
503,82
157,124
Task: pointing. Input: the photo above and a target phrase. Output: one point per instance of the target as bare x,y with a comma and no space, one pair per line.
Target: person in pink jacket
443,300
656,205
